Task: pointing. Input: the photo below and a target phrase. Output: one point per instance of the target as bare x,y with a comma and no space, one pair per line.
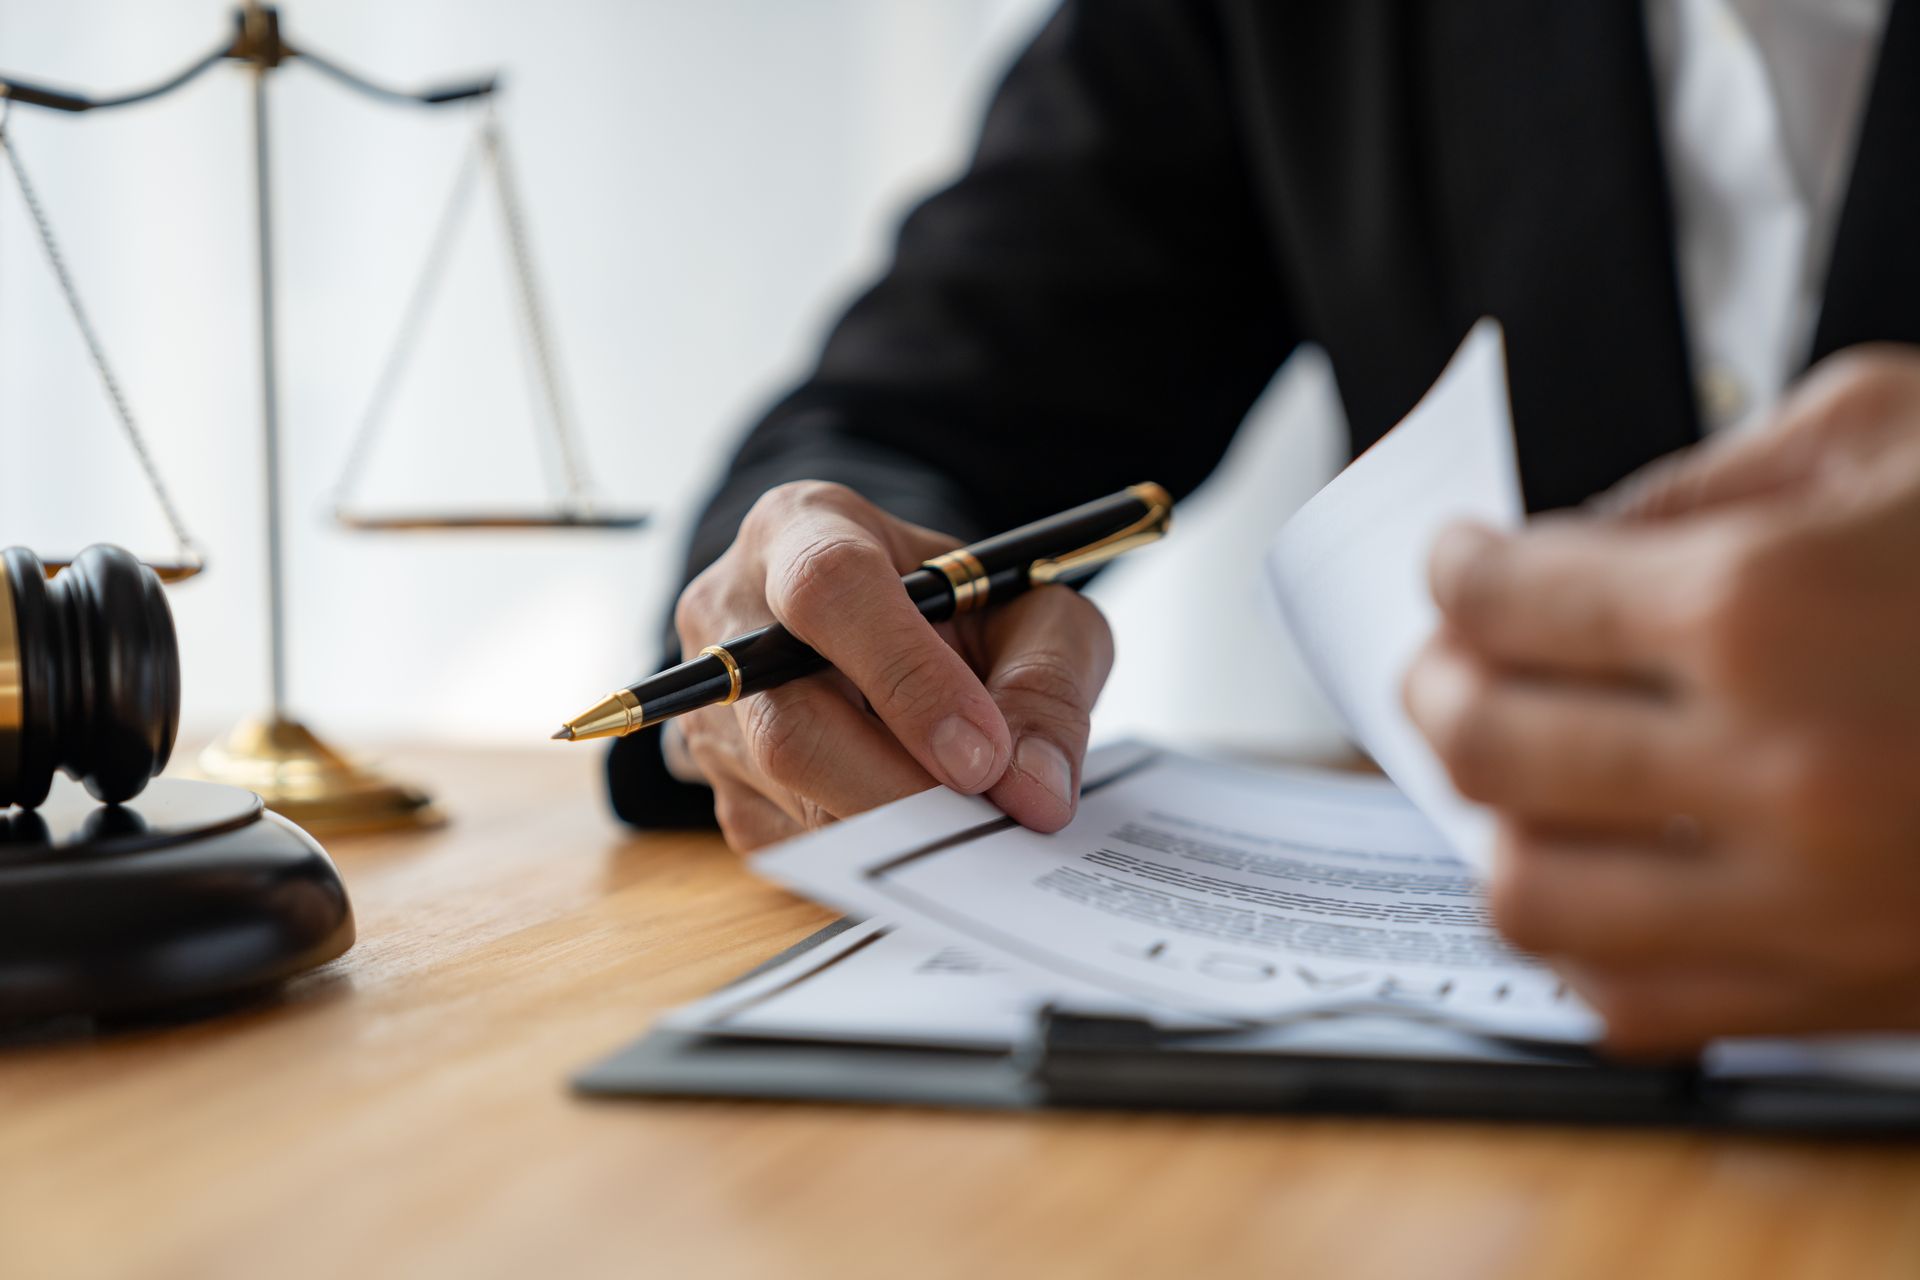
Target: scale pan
168,571
484,521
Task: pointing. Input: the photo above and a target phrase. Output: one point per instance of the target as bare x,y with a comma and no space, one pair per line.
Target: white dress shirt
1760,104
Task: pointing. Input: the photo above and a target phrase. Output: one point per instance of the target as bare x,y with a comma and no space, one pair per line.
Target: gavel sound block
120,892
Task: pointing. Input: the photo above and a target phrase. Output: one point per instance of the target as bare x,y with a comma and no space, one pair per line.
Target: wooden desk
404,1112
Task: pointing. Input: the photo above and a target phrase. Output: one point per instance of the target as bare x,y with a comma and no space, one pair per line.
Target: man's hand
994,702
1698,717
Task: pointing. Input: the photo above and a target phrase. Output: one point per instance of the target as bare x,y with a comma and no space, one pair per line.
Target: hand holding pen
972,670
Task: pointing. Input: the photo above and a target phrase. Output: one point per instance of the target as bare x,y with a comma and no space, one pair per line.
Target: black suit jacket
1169,195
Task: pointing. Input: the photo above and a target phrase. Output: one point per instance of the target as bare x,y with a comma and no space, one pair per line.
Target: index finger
1564,595
834,584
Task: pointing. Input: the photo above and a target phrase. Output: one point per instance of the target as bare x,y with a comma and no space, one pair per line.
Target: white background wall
706,184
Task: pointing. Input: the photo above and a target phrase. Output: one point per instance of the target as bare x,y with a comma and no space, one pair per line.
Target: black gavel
89,675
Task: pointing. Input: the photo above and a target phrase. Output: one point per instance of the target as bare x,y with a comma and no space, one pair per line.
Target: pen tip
563,734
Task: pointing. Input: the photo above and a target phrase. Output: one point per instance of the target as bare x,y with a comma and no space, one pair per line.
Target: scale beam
432,96
256,38
36,95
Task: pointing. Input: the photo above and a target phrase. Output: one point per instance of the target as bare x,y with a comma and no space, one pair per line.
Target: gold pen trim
733,672
966,575
614,716
1148,528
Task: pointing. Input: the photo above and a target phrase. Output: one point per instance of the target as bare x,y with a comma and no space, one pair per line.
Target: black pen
1062,548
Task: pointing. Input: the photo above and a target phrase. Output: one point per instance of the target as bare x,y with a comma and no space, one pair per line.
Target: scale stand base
307,782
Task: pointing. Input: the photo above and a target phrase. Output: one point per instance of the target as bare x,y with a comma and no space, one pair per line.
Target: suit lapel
1873,277
1551,188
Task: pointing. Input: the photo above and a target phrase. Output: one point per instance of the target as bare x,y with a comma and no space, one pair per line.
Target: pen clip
1148,528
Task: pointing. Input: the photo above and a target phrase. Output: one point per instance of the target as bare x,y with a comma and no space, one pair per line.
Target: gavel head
89,675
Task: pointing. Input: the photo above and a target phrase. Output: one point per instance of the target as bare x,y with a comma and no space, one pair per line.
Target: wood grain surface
404,1112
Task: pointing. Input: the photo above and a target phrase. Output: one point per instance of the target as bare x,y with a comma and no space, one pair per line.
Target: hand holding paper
1699,720
1350,569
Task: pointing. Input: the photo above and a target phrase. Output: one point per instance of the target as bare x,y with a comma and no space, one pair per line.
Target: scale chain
411,323
533,316
189,549
488,149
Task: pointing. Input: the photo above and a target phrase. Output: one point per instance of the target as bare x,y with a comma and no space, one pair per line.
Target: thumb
1049,653
1722,471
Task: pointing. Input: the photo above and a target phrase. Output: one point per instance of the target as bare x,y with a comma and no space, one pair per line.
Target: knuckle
781,743
821,493
1467,736
910,685
1728,615
736,818
1045,682
1861,387
1570,607
726,812
1474,592
702,730
812,815
770,510
777,506
693,609
819,586
1077,622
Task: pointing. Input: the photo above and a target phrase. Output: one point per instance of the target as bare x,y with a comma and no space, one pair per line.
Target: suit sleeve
1091,304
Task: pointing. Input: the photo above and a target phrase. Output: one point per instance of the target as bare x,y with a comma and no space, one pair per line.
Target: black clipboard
1075,1061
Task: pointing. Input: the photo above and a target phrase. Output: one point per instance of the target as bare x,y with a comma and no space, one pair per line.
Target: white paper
875,983
1350,568
1250,894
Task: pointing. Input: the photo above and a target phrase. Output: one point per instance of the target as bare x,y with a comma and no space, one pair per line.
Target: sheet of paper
1251,894
1350,568
878,984
874,984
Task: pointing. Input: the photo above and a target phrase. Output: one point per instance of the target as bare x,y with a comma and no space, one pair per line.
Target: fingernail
964,753
1047,765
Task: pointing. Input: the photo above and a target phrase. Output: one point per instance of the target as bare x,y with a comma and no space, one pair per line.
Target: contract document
876,984
1186,884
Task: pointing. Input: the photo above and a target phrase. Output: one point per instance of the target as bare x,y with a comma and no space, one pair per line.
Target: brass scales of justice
294,771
